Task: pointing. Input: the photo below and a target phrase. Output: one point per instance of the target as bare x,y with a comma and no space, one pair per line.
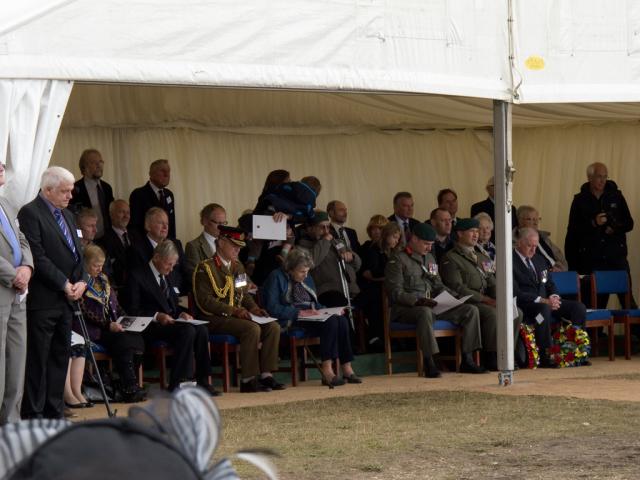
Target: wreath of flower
527,333
571,346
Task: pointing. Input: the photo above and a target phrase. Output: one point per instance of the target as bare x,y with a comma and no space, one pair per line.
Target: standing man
117,240
59,280
91,191
403,214
220,287
537,295
488,206
598,224
411,280
203,246
338,215
16,266
154,194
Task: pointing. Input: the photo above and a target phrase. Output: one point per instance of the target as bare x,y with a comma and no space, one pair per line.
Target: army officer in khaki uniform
470,272
220,289
411,280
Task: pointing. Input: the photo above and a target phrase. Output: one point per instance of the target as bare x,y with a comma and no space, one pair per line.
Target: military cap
424,231
466,224
320,216
236,235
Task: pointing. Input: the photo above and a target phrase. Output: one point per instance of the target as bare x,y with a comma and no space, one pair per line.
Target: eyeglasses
219,223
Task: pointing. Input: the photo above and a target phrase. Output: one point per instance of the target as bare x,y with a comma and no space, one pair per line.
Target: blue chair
617,281
224,345
441,328
568,283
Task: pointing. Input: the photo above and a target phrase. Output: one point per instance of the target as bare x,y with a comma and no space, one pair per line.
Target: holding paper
446,302
266,228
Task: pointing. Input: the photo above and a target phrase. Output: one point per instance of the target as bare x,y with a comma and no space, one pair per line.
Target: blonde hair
377,221
93,252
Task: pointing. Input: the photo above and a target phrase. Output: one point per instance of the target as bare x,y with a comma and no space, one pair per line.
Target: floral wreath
527,333
571,346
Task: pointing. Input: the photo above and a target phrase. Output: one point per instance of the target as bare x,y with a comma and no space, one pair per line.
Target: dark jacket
277,295
526,287
589,247
98,318
142,199
81,199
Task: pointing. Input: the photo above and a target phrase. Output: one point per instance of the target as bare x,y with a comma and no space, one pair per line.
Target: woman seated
374,230
485,245
289,295
374,260
101,310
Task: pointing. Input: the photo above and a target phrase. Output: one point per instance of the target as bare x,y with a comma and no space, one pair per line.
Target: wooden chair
297,338
616,281
568,283
160,350
101,355
392,330
224,346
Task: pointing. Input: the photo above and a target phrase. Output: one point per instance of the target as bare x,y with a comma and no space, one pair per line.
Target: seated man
529,217
470,272
537,294
204,245
335,264
152,293
220,291
440,220
411,279
403,214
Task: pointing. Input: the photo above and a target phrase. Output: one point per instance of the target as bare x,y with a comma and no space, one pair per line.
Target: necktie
163,286
531,269
125,240
57,213
163,198
342,236
11,236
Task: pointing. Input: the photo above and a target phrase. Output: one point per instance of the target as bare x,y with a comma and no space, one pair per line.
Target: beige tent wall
362,165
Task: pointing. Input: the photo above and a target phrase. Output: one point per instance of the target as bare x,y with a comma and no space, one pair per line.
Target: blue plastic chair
568,283
617,281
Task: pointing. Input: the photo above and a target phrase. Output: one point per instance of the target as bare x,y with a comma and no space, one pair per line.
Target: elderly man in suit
91,191
220,290
154,194
537,294
153,293
204,245
403,214
58,281
116,241
16,266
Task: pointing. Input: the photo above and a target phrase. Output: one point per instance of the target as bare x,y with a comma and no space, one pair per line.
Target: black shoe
546,362
253,386
272,383
133,394
430,368
336,381
207,387
75,405
353,378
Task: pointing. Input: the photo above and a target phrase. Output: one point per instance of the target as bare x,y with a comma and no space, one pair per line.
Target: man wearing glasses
204,245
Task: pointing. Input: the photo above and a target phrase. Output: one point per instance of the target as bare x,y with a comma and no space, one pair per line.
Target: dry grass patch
441,435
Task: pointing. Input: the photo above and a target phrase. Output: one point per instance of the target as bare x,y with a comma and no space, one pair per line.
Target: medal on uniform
543,276
433,269
240,280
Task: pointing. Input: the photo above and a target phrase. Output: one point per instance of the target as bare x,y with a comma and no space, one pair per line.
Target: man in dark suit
154,194
59,280
403,215
16,267
91,191
117,240
488,206
537,294
337,211
152,293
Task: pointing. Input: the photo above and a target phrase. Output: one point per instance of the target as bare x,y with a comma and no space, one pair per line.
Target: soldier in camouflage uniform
411,280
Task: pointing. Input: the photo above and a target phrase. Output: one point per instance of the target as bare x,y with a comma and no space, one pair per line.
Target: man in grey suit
204,245
16,265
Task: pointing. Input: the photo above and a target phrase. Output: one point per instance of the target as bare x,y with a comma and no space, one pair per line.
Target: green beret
466,224
424,231
320,216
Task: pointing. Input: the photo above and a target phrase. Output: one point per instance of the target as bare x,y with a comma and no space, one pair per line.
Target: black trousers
48,350
569,309
188,341
122,347
334,337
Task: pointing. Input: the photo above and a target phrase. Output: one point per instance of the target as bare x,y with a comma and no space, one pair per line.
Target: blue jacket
277,296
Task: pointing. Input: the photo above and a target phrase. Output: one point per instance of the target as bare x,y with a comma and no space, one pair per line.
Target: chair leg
140,376
627,338
226,374
161,360
612,342
387,355
458,342
236,369
293,350
304,374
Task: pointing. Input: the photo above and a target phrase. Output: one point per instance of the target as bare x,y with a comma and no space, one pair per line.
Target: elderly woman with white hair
528,217
289,294
485,245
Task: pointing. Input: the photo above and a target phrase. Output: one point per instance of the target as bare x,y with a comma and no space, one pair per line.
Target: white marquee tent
373,96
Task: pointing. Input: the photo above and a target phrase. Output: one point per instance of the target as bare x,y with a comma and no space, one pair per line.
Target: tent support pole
503,181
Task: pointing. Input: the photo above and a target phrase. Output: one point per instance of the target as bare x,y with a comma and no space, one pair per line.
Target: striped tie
57,213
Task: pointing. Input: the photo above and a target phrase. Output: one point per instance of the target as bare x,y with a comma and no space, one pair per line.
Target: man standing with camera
598,224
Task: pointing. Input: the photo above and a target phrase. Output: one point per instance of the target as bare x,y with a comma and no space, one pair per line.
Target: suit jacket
526,287
195,252
81,199
53,261
352,236
412,223
489,207
142,199
7,270
146,297
117,254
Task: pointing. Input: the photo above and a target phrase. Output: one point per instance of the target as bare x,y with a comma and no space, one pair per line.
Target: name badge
79,232
543,276
487,267
433,269
175,289
241,280
168,200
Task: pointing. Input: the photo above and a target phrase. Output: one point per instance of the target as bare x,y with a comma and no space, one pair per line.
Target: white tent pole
503,177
